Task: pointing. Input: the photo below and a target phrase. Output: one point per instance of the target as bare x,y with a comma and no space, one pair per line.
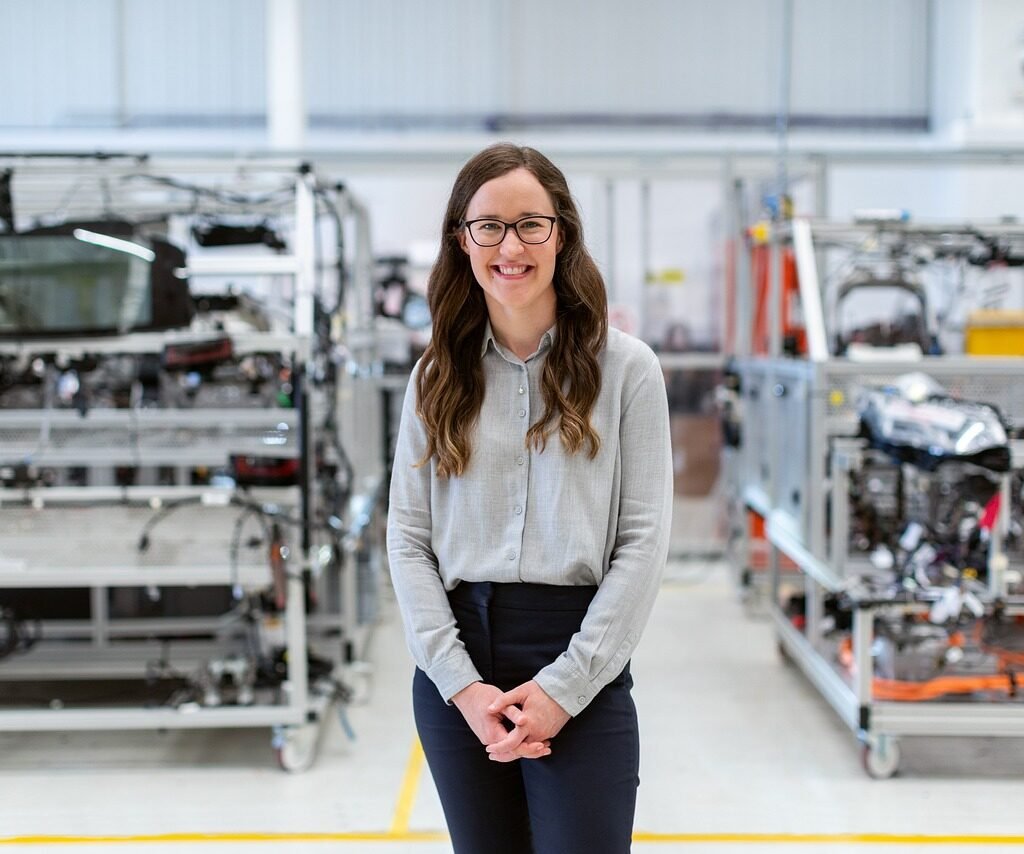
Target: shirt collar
547,340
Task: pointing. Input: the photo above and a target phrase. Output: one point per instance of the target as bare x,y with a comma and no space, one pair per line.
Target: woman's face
516,277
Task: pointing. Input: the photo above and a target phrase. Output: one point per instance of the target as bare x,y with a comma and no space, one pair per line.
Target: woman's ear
460,235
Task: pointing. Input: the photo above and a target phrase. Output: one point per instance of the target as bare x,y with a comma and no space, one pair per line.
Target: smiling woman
525,569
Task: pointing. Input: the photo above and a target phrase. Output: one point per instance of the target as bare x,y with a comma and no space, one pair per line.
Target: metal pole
645,227
610,277
286,103
782,116
645,255
744,332
782,180
863,637
997,558
775,291
821,186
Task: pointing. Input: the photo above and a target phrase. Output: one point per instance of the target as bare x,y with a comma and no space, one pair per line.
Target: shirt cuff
453,674
566,685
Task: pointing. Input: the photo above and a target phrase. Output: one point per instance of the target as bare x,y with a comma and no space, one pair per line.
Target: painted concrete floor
739,755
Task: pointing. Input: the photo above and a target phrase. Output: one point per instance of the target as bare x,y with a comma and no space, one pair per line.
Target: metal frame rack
798,450
67,536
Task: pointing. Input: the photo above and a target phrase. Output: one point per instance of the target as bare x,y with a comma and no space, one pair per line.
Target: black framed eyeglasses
530,229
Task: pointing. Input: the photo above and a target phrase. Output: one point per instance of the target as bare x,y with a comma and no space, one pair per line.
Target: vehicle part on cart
914,662
264,471
915,422
220,233
227,681
909,328
197,355
87,278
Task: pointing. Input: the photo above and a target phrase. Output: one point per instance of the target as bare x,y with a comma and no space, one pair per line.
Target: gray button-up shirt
550,518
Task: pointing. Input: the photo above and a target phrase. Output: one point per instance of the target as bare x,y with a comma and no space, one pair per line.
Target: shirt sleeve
619,611
427,617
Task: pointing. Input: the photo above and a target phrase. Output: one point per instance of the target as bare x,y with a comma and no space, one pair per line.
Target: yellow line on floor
827,838
437,836
156,838
410,785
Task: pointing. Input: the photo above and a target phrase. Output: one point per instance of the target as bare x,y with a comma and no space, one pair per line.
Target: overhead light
115,243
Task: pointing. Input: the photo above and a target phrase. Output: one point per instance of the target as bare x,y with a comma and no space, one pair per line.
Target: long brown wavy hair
450,385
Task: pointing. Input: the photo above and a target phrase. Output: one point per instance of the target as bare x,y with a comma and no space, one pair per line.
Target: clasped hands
536,719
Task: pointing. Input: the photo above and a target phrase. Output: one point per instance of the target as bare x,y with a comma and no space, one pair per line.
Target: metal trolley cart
868,595
186,528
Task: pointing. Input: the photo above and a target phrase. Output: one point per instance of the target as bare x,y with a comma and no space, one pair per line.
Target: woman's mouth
511,271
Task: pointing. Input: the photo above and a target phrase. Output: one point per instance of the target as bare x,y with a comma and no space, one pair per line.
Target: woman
529,521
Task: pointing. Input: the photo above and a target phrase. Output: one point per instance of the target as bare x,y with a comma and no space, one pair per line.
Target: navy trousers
582,797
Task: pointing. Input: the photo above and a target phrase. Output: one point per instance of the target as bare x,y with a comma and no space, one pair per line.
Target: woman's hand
474,701
536,716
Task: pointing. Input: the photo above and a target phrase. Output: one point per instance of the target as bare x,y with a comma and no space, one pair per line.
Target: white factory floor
739,755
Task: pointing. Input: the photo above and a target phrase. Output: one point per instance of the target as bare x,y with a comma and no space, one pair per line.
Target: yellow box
994,332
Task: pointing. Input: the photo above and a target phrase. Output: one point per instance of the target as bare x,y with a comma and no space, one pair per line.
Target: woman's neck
520,335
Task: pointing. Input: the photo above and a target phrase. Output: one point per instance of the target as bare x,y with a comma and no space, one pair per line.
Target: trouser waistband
524,595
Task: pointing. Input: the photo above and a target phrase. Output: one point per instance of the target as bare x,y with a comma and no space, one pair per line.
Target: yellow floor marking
828,838
438,836
414,836
410,785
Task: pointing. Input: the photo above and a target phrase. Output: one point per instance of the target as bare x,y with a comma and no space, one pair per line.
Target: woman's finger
509,743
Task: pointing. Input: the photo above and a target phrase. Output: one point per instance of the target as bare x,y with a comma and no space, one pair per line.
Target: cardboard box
696,453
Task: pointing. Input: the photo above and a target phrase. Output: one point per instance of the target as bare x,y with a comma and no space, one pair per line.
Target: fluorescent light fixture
114,243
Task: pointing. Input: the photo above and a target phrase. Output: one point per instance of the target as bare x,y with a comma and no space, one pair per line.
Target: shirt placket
520,423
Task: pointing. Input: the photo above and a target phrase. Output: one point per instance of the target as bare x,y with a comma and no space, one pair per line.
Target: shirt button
511,555
521,390
519,461
522,413
582,700
519,509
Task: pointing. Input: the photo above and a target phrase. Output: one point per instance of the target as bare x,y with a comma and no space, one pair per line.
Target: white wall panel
194,58
453,62
402,57
658,56
57,63
687,58
868,58
999,86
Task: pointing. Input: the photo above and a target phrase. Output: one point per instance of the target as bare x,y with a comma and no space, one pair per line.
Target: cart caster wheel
881,759
295,747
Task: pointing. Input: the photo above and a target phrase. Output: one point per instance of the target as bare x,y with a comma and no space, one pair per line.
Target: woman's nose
511,243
